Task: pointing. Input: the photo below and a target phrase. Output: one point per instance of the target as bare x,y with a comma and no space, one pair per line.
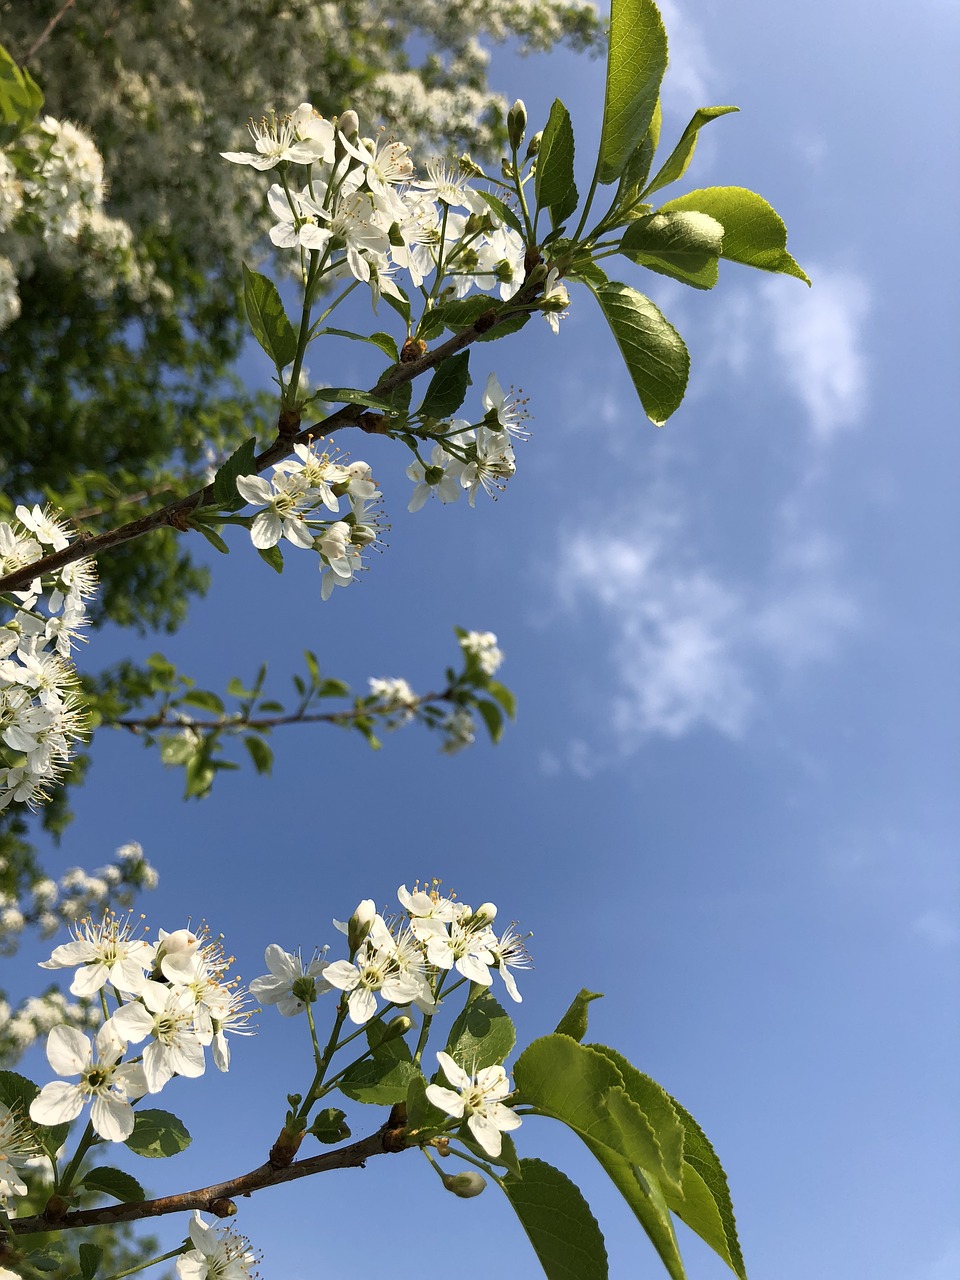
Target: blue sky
729,802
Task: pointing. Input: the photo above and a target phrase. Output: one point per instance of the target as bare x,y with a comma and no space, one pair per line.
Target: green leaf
44,1261
636,62
423,1118
17,1092
268,320
204,699
349,395
553,182
237,689
642,1193
502,211
91,1255
313,666
260,753
483,1034
448,387
381,340
177,748
383,1078
114,1182
504,696
659,1109
753,232
574,1021
705,1204
507,1159
211,536
401,305
676,164
685,246
636,171
272,556
157,1134
655,355
492,717
20,99
329,1126
241,463
200,773
558,1222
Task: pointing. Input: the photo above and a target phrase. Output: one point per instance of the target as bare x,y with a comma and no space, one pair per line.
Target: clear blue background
730,800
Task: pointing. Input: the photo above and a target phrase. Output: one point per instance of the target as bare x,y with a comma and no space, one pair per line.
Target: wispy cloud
815,338
938,928
691,71
688,645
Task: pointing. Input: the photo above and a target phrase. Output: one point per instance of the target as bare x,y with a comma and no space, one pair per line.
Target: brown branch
217,1198
176,514
46,33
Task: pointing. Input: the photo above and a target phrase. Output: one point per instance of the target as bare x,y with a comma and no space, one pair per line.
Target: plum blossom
104,1080
218,1254
103,952
479,1100
290,984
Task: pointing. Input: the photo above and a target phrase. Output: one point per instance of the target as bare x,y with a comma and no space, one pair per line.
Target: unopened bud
360,923
478,222
363,535
349,125
433,475
486,913
470,166
533,146
516,123
465,1185
396,1027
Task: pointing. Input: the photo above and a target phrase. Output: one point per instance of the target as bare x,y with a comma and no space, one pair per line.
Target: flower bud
360,923
516,123
533,146
396,1027
349,125
470,166
486,913
465,1185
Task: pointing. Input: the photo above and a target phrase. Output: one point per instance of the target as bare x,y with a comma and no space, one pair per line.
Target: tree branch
218,1197
47,32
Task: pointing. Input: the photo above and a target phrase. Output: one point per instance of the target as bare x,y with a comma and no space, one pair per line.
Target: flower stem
142,1266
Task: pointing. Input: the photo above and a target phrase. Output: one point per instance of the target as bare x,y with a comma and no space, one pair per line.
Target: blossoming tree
406,1019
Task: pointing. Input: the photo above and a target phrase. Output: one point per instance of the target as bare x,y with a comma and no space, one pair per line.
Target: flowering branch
217,1198
176,514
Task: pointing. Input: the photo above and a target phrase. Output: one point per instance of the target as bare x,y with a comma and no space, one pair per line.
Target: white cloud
812,338
690,72
689,647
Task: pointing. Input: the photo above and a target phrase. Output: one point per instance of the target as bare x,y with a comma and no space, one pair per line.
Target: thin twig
47,31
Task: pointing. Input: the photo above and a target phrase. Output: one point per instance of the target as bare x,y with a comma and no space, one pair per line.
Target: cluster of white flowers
470,458
300,487
18,1146
171,993
41,710
482,645
52,194
404,959
395,697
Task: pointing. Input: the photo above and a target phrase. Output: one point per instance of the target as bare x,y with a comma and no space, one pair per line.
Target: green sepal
636,62
157,1134
684,246
267,318
553,182
448,387
753,231
574,1021
482,1036
677,163
655,355
552,1211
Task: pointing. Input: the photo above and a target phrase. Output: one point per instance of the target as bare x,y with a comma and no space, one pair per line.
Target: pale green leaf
157,1133
685,246
658,1107
753,232
574,1021
636,62
677,163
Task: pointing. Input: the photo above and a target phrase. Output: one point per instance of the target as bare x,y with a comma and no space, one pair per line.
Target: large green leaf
676,164
267,318
383,1078
558,1222
658,1107
753,232
448,387
684,246
483,1034
655,355
554,185
645,1198
636,62
704,1203
635,172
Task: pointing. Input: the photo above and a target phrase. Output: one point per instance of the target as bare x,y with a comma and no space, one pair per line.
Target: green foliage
677,163
113,1182
636,62
654,353
558,1222
753,232
554,184
157,1134
448,388
685,246
20,99
574,1021
483,1035
267,318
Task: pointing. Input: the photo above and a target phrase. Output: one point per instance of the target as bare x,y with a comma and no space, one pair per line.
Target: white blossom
479,1100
